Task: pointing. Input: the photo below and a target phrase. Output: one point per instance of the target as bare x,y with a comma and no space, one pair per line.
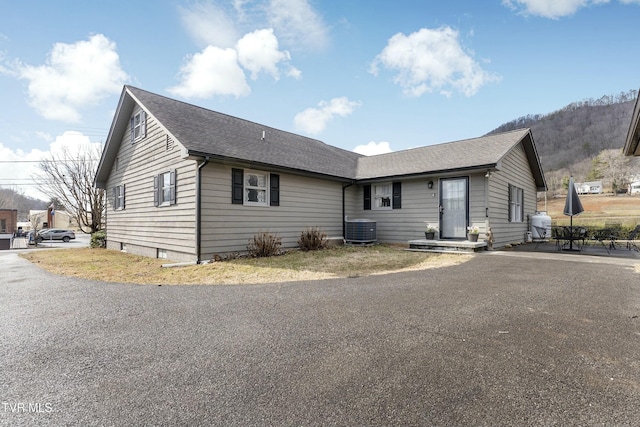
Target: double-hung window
118,197
383,196
255,188
164,189
138,126
516,204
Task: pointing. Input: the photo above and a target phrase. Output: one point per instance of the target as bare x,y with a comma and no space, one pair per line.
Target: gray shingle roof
474,153
203,131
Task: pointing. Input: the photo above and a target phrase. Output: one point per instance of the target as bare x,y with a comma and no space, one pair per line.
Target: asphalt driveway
499,340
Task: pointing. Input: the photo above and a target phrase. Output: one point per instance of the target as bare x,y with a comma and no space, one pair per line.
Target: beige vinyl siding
515,171
408,223
478,203
304,202
141,226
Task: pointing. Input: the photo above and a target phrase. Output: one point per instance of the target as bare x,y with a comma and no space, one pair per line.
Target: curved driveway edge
498,340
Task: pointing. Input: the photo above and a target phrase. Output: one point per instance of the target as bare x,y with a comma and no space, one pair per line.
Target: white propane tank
540,226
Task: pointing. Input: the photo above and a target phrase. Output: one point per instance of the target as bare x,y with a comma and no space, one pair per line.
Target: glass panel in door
453,208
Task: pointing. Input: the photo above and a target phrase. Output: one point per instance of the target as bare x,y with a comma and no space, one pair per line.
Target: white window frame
138,126
119,198
382,196
260,187
517,199
163,189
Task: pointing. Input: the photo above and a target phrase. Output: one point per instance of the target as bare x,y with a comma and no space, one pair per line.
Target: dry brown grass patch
114,266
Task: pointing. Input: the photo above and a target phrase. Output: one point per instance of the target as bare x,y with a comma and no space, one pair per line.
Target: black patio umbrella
572,206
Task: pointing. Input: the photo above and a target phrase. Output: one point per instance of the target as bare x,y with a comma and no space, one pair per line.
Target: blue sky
365,75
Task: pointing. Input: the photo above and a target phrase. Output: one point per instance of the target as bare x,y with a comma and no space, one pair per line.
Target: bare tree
69,178
35,227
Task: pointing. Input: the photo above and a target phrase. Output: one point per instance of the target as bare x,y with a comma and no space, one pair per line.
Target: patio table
568,236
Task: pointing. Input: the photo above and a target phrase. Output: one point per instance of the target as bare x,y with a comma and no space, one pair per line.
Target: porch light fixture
430,184
488,174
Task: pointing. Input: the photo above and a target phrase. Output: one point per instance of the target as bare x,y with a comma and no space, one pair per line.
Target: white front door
454,208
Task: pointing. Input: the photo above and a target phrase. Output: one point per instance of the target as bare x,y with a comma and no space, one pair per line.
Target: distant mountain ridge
578,131
11,199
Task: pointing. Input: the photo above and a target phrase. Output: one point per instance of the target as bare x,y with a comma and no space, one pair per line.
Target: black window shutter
237,183
133,132
510,201
367,197
123,197
274,193
172,183
115,198
397,195
522,206
156,188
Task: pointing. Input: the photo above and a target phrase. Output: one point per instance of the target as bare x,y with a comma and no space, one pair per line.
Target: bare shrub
229,256
264,244
312,239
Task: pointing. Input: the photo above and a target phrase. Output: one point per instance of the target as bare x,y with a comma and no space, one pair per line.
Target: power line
49,161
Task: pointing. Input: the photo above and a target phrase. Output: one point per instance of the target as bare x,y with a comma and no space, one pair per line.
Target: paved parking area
504,339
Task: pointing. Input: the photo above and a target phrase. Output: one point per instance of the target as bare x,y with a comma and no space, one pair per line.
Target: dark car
21,232
55,234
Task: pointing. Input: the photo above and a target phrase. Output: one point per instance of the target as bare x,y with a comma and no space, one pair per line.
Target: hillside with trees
11,199
583,139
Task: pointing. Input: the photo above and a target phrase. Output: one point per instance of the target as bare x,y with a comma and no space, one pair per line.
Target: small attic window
138,126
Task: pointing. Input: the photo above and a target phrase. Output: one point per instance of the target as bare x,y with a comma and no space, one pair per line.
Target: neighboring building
8,226
59,219
8,220
634,188
185,183
632,143
589,187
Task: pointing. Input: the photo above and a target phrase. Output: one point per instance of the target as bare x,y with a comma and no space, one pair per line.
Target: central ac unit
360,231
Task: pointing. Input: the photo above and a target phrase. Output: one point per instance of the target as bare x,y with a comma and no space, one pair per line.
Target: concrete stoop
448,246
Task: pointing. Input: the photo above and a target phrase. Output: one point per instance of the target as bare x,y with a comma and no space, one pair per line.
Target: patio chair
631,238
583,236
557,234
614,232
602,235
542,235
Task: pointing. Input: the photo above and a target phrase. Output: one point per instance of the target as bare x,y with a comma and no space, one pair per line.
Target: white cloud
258,51
219,69
373,148
74,76
214,71
209,24
297,23
22,166
553,9
294,73
314,120
221,22
432,59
